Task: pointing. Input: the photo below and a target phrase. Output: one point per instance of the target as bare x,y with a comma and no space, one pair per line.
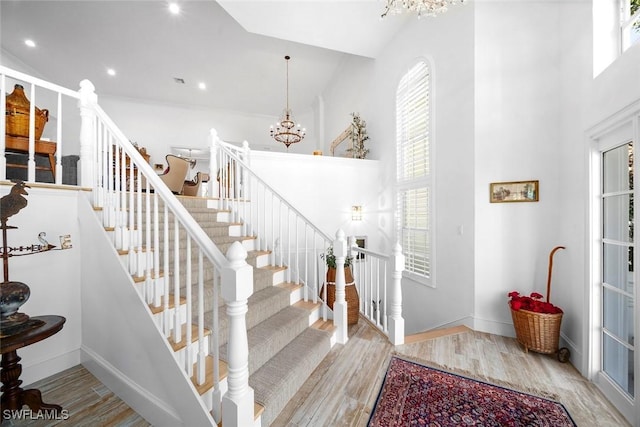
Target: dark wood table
14,397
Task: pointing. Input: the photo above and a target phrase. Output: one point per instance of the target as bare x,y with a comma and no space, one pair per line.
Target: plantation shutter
413,172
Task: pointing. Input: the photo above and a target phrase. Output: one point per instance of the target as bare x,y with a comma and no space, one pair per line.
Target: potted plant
330,260
351,293
358,137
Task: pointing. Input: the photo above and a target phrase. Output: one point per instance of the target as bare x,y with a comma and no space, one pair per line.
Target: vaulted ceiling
236,48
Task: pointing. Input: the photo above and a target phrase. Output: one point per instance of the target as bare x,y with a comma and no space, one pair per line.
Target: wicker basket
351,294
539,332
17,115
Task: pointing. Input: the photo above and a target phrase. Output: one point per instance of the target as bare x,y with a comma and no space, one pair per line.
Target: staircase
287,338
177,351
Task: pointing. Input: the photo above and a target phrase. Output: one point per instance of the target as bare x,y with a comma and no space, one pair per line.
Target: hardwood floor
344,388
87,402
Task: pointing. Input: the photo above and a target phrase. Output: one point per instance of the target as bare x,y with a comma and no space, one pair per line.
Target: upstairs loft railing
166,250
35,89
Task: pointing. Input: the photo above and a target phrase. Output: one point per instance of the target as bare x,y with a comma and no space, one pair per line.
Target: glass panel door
618,295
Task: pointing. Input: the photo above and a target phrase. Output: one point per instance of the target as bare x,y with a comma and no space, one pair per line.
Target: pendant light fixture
286,130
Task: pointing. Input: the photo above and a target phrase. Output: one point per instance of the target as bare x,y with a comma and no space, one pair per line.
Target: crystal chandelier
421,7
286,130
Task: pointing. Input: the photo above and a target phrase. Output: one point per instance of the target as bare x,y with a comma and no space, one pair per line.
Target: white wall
531,93
369,87
158,127
324,188
53,278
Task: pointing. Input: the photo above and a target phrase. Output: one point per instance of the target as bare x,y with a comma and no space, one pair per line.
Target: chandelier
421,7
286,130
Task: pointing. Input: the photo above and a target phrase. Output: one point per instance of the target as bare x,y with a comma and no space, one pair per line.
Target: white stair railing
280,229
378,281
123,179
295,242
166,250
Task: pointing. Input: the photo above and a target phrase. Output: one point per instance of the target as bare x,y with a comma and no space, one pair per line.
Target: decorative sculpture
14,294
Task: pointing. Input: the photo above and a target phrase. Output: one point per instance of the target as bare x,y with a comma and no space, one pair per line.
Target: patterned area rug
416,395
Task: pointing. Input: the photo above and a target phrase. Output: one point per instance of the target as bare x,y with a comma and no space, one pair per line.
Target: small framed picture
514,191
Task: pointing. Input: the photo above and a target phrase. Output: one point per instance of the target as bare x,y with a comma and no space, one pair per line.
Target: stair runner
283,349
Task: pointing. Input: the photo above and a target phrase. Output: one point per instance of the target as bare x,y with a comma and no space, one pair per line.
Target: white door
615,293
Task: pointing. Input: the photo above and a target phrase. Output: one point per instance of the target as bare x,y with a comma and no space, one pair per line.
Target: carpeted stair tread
262,305
270,336
262,278
276,382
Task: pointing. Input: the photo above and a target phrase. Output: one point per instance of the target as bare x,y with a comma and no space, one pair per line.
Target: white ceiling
236,47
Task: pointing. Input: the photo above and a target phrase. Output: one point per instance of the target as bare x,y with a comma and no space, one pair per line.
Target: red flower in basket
533,303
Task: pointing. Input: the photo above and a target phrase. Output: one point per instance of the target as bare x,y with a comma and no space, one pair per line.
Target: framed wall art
513,191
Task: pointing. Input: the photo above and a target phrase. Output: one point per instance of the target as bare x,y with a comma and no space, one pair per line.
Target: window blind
413,172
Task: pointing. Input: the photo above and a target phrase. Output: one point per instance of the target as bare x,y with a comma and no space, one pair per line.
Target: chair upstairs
192,188
176,173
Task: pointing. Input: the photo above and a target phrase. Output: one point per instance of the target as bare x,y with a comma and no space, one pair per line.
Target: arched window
414,205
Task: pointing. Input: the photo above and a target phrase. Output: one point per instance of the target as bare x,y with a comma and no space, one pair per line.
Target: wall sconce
356,213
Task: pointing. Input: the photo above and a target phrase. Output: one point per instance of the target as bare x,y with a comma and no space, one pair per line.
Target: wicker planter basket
350,291
537,331
17,115
540,332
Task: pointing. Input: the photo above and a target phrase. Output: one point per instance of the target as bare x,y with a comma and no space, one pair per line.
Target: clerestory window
629,23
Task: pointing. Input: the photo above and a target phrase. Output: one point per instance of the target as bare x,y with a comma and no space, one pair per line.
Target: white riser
278,277
235,230
296,295
262,260
158,318
207,397
181,354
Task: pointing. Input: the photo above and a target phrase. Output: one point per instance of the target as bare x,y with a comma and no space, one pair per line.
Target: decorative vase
18,113
350,291
12,296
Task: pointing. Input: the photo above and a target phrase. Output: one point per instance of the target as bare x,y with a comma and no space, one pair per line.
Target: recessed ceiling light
202,86
174,8
111,71
30,43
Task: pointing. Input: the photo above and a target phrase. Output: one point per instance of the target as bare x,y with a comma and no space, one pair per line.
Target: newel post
340,304
396,322
213,168
87,163
237,287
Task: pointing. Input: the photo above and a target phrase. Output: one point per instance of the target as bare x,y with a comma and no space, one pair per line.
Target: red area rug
416,395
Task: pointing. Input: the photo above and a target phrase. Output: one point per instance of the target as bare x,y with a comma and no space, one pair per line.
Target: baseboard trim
148,406
32,372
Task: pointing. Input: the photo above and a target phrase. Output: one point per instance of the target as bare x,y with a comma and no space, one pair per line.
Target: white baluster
31,162
396,322
213,168
340,304
86,165
237,287
58,177
3,112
